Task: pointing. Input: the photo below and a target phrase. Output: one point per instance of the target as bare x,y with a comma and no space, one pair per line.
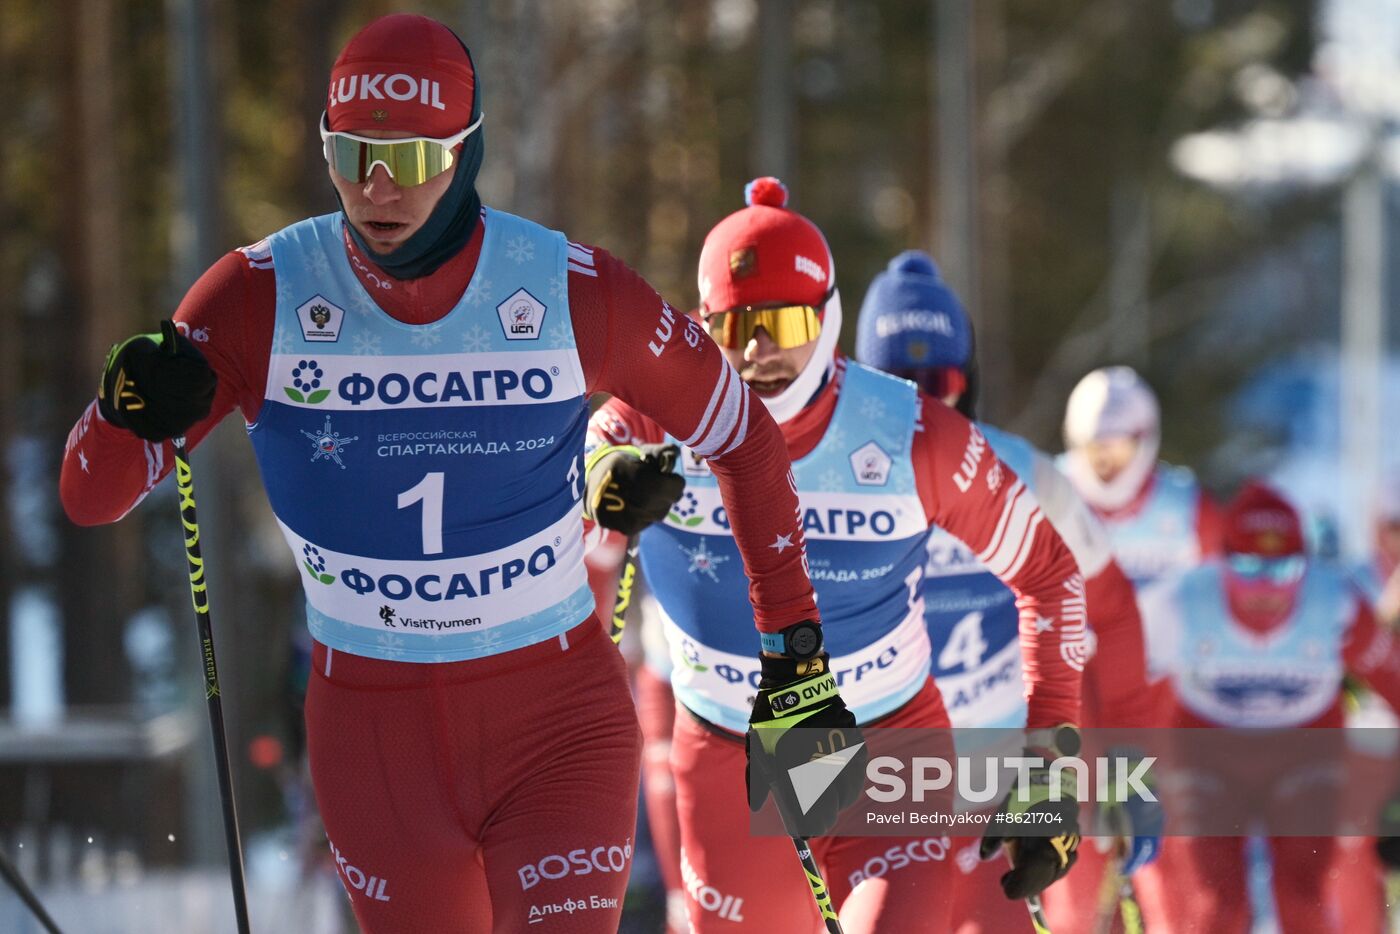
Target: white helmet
1112,402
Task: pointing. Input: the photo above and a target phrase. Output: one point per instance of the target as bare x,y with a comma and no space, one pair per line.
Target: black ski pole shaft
819,890
1037,912
26,894
199,593
1033,904
624,591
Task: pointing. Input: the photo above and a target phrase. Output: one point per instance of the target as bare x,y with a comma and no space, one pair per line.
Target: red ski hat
1261,522
403,72
765,254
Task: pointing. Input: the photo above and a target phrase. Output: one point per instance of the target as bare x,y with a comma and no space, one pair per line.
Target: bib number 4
965,647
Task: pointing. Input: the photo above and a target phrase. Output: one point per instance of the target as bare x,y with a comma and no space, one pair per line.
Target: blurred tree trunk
992,262
196,242
11,324
313,57
774,124
956,169
537,111
95,311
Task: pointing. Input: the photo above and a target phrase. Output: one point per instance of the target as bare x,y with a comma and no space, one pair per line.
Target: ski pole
199,594
1117,897
1033,904
1107,908
1129,908
1118,900
26,894
1037,912
819,890
624,591
667,462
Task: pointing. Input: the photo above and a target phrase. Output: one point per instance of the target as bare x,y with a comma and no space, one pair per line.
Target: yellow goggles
409,161
788,326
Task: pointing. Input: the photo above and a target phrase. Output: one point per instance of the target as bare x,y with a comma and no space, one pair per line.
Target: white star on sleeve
1043,623
781,542
82,459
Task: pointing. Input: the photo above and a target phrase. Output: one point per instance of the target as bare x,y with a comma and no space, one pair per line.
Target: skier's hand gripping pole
800,722
199,593
629,488
156,386
1038,860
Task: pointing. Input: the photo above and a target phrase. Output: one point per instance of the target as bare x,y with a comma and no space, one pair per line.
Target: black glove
630,487
1041,835
1388,849
799,716
1388,837
156,385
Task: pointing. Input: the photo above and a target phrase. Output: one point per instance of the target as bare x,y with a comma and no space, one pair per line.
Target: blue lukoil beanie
910,319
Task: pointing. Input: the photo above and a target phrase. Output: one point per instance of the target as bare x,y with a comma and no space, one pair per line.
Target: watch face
804,642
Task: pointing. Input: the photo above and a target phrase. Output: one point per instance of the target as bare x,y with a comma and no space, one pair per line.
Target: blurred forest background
1081,170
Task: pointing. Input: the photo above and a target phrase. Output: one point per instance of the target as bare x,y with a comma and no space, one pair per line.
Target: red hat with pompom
1261,522
403,72
765,254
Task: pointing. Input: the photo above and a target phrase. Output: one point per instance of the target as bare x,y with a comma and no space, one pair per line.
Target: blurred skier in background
912,325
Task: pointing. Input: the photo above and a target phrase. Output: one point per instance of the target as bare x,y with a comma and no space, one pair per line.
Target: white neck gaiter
793,399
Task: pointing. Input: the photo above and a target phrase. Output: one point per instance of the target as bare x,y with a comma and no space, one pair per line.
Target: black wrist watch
1062,740
801,641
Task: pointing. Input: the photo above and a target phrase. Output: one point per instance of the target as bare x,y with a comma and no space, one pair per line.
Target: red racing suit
1213,868
735,881
436,781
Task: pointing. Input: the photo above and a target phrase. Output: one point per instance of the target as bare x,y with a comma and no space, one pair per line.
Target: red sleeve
616,422
1115,679
1210,526
661,363
1371,652
228,314
968,491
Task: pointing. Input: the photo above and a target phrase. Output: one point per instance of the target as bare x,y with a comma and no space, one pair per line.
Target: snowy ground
188,902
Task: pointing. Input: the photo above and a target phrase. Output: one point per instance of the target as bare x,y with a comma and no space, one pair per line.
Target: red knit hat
764,254
1261,522
403,72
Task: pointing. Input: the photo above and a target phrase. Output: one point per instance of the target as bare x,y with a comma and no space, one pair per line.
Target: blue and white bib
973,623
1161,537
1229,675
865,528
428,477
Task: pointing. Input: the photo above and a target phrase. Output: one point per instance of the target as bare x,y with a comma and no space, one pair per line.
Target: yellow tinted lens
788,327
410,163
416,162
